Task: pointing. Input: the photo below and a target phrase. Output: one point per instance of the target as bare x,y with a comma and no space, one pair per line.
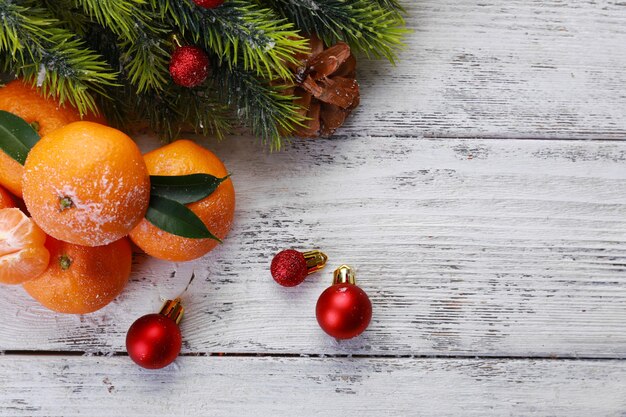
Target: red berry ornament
209,4
290,267
344,310
189,66
154,340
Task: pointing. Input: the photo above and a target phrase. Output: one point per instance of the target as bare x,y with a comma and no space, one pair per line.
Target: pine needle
240,32
375,28
142,39
266,110
36,47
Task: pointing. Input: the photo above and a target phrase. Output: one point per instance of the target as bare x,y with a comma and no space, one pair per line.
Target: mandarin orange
81,279
45,114
22,253
216,211
86,184
6,200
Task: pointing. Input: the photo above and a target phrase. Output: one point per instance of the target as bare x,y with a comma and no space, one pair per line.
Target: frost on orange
216,211
45,114
82,279
23,255
86,184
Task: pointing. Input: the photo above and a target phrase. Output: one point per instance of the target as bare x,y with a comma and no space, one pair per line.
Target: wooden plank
466,247
502,68
214,386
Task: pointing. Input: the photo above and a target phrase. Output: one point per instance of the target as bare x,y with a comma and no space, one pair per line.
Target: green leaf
16,136
173,217
185,189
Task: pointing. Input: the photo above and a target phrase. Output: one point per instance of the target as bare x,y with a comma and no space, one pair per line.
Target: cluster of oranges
86,187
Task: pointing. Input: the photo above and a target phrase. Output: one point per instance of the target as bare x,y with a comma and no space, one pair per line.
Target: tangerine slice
23,255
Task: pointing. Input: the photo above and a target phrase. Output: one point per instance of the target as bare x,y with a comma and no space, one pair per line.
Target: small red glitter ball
209,4
153,341
343,311
189,66
289,268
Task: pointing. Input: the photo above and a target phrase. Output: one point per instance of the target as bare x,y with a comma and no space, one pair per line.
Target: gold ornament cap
344,275
315,260
173,309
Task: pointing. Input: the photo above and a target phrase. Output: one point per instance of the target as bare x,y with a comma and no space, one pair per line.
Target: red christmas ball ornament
209,4
344,310
290,267
189,66
154,340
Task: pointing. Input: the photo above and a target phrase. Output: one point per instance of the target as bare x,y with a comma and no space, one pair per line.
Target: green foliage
185,189
371,27
65,11
168,196
142,39
240,33
119,16
17,137
393,5
175,218
35,46
113,55
268,111
167,111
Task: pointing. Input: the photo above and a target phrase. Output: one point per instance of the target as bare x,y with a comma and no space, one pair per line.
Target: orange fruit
5,199
82,279
86,184
23,255
45,113
11,174
216,211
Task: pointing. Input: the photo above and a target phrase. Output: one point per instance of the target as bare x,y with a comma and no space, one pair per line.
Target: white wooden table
480,190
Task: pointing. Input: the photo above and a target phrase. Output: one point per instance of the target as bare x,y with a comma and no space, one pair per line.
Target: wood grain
515,69
466,247
213,386
487,246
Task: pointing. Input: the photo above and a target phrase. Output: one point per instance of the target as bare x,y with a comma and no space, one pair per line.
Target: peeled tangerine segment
24,265
22,253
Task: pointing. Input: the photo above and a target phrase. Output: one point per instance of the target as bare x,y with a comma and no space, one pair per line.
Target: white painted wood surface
495,245
502,68
224,387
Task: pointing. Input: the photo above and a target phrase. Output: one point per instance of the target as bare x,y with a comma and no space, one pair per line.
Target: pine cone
326,88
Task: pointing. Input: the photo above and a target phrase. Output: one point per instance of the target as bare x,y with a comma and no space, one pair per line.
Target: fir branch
370,27
392,5
146,58
240,32
165,111
117,15
144,51
169,112
266,110
36,47
66,12
178,108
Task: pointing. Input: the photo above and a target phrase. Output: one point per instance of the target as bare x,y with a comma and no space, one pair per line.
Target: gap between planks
78,353
339,136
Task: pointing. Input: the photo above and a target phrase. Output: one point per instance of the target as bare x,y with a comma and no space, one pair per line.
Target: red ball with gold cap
344,310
